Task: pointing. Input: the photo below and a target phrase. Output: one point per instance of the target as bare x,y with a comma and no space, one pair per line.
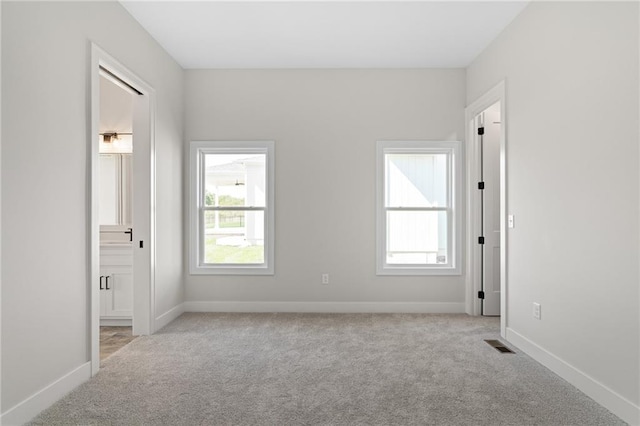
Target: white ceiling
324,34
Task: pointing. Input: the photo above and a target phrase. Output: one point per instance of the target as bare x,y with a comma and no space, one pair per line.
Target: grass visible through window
214,253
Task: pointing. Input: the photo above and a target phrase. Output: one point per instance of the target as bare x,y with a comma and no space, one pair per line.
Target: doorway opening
486,213
121,272
115,213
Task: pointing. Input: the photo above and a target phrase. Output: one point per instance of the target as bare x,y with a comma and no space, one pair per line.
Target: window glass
234,237
417,237
232,218
418,214
416,180
235,180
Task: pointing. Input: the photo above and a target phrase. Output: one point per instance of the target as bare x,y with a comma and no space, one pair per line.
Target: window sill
418,271
231,270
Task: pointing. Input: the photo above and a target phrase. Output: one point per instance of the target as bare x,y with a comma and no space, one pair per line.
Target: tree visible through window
233,189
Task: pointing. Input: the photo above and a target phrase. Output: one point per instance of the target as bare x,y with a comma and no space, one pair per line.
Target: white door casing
143,209
473,303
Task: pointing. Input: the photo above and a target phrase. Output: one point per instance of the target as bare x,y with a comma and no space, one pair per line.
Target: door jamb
144,174
496,94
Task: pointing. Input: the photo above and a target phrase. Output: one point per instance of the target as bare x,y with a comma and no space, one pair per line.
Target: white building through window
418,208
232,221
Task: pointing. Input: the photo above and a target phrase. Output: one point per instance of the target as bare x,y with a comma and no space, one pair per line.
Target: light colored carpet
324,369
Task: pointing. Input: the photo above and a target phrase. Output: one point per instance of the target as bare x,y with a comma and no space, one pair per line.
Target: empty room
320,213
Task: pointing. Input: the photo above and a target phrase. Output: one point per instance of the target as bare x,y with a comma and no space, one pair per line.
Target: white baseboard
327,307
44,398
169,316
617,404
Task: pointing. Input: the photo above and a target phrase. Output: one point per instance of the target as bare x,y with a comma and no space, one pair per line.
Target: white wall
571,73
325,124
46,101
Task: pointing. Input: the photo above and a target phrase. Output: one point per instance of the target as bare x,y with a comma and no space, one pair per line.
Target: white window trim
454,148
196,149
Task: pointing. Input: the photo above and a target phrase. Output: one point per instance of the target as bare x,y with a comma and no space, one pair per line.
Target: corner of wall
167,317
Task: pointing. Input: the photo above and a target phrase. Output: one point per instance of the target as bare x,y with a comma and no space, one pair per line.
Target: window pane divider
417,209
394,201
233,208
261,231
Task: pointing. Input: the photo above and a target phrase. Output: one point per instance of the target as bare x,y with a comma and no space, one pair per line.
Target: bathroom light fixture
109,137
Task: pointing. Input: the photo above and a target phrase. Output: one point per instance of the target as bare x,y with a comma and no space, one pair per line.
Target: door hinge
480,185
481,295
481,131
480,240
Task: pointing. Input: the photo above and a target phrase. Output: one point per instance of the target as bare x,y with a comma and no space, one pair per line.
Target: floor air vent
499,346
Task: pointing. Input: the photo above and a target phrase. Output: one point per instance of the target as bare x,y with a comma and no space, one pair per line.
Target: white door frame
143,203
473,305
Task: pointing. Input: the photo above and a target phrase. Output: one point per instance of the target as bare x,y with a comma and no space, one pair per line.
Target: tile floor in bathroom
113,338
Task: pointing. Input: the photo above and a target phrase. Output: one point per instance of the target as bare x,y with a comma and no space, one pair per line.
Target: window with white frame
232,200
418,207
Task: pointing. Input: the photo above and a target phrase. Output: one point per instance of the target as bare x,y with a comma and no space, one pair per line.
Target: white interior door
490,159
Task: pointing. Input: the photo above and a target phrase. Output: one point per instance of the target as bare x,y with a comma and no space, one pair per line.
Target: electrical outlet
325,278
536,310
